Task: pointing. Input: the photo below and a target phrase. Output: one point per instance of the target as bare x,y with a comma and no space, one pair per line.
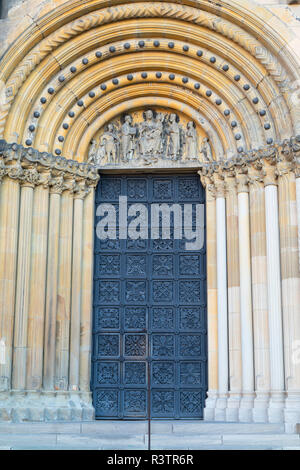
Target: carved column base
246,407
260,409
292,411
27,406
276,407
221,405
210,405
233,404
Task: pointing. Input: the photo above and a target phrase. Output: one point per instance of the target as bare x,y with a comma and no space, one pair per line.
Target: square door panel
135,292
163,373
135,373
136,265
135,402
163,318
107,318
107,265
162,266
137,189
163,345
135,345
163,403
107,403
108,345
108,292
162,291
108,373
135,318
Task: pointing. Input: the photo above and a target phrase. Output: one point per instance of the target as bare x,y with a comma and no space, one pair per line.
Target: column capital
242,181
30,178
230,183
2,170
81,190
255,177
57,184
219,183
270,173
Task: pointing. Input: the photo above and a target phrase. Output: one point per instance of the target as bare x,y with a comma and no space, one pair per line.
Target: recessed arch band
96,43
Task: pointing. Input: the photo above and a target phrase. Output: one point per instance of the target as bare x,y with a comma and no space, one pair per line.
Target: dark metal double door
149,333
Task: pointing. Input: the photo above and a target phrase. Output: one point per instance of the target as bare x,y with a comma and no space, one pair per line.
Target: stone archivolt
74,74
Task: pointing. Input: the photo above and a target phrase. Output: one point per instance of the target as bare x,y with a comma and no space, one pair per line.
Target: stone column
290,281
234,314
87,292
274,296
37,296
259,297
9,221
64,289
223,372
56,188
23,280
212,307
76,287
297,173
245,413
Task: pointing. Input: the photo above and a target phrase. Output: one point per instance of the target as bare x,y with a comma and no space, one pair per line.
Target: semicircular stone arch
225,67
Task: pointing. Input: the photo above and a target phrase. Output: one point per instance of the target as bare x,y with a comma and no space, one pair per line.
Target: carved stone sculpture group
158,136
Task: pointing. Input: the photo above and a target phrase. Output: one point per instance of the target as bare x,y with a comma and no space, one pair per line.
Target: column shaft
51,291
290,293
36,316
87,292
9,221
298,214
245,413
274,305
222,309
212,304
76,295
64,292
234,315
260,302
22,290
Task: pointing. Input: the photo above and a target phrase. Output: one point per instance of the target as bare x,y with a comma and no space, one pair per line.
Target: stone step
140,427
158,441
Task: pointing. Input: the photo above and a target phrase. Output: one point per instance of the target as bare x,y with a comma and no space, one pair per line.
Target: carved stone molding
30,167
261,166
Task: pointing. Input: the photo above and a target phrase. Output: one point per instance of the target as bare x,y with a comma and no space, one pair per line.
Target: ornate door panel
149,311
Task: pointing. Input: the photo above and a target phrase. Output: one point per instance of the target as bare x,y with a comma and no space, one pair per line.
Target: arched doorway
232,70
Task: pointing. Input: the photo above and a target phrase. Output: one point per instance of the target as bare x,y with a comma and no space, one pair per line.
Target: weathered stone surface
72,76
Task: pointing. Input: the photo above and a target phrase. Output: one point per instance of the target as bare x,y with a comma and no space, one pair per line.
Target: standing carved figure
173,131
148,137
206,150
128,132
92,158
191,142
158,134
109,146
